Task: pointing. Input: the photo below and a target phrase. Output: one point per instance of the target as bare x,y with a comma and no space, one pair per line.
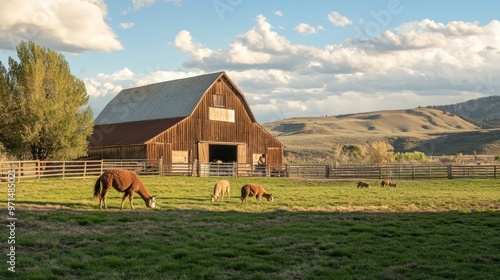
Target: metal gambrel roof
170,99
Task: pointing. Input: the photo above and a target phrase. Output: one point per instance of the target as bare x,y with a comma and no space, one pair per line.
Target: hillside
428,130
480,108
484,111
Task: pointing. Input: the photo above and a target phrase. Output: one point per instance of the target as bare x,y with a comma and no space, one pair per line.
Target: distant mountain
429,130
484,111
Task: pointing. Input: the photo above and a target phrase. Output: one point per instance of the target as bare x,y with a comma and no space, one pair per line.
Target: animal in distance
254,190
385,183
394,185
123,181
220,188
362,184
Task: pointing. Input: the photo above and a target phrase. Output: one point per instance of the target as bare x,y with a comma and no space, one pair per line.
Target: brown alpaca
385,183
123,181
362,184
220,188
254,190
394,185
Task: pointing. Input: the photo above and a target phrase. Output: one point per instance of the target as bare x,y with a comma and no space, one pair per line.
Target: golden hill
422,129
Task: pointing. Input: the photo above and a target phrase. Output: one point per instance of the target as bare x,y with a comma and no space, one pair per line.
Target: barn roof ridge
163,100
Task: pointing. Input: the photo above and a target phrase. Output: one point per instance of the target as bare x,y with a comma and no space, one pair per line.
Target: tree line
45,113
375,152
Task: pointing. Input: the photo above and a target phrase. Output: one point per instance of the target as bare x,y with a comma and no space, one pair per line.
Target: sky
290,58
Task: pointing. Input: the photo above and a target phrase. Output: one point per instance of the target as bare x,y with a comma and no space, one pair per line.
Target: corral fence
92,168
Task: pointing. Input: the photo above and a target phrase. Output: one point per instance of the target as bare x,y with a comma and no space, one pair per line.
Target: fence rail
82,169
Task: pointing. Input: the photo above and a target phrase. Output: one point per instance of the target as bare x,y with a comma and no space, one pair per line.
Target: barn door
203,156
242,153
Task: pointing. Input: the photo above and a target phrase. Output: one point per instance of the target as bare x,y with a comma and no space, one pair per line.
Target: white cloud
111,84
184,42
304,28
338,20
278,13
63,25
127,25
416,64
139,4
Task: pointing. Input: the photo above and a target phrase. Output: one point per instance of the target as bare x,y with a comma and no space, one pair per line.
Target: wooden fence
93,168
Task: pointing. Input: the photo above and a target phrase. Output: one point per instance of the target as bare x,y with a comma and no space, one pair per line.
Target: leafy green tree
410,157
46,113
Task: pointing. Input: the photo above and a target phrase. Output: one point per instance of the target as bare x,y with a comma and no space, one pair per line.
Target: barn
200,119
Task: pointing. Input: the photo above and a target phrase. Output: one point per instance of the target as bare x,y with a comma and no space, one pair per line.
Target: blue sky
289,58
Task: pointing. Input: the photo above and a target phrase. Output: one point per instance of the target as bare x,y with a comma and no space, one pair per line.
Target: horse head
152,202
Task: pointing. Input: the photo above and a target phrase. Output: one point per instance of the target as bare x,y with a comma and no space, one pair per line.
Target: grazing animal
254,190
123,181
385,183
221,188
394,185
362,184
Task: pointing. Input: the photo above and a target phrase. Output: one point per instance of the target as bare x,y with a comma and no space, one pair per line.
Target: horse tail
97,188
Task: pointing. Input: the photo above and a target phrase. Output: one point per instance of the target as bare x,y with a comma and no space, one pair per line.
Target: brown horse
123,181
385,183
362,184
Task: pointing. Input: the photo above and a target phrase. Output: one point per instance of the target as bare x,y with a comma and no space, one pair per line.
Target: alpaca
362,184
394,185
123,181
254,190
220,188
385,183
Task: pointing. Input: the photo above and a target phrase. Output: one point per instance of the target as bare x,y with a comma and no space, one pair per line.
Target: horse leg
131,198
102,201
127,192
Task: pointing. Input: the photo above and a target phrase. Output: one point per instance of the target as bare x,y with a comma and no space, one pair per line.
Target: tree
380,152
46,114
348,153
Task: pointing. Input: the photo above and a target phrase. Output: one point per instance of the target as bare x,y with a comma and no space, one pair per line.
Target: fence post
495,171
64,168
327,171
38,169
195,168
19,171
450,175
160,163
84,169
102,165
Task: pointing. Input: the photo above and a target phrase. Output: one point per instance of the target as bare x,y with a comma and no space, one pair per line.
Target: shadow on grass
277,244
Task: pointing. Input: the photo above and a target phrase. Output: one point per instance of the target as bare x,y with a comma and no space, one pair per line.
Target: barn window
219,100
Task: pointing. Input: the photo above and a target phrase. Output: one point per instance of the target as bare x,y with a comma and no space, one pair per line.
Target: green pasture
315,229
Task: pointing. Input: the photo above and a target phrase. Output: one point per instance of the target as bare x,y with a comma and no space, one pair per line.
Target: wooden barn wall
118,152
185,135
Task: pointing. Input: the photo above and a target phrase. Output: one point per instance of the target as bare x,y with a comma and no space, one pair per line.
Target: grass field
315,229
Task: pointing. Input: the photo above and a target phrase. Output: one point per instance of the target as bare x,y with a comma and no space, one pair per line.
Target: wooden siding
119,152
187,133
198,128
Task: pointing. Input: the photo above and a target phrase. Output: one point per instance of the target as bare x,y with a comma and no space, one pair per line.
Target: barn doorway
224,153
